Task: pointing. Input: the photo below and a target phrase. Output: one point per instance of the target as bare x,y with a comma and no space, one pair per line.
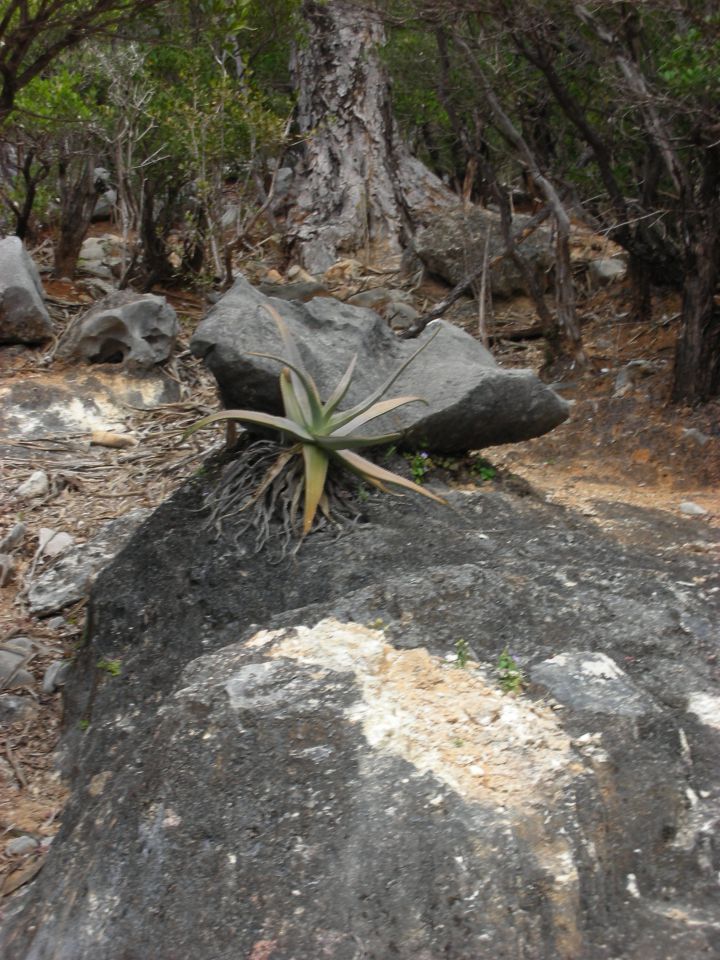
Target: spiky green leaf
360,408
338,394
377,410
316,467
373,473
254,417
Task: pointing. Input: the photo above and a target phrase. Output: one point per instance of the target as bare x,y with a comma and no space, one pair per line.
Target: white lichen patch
509,754
706,707
454,723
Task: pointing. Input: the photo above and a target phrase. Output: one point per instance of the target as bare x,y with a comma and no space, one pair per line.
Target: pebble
55,676
691,509
13,538
10,675
36,485
56,623
53,542
21,845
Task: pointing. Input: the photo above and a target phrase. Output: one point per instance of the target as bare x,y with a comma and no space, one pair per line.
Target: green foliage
482,469
511,677
462,653
690,67
111,667
320,431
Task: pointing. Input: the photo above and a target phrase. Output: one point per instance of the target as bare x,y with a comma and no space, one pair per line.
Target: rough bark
697,353
359,191
77,202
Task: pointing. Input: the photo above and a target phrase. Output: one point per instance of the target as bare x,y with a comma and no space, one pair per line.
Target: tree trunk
359,191
77,202
697,353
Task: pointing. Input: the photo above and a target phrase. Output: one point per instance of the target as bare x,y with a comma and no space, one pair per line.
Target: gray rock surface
453,245
592,682
135,330
471,402
287,767
70,579
23,317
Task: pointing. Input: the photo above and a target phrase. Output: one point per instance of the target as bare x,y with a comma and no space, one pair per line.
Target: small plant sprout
113,667
511,677
483,469
462,653
319,431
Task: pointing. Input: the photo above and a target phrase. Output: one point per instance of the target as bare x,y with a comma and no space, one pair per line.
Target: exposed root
259,496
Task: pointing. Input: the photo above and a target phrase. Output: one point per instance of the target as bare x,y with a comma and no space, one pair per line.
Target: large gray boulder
132,329
453,246
471,401
23,317
283,764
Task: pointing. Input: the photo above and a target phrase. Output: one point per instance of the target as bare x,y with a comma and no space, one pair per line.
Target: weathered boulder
471,401
453,245
287,766
23,317
135,330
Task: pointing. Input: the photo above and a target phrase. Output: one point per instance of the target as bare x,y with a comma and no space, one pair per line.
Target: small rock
273,276
12,673
13,538
36,485
7,565
92,249
15,709
20,645
55,676
691,509
401,316
53,542
298,275
691,433
20,846
7,774
604,272
56,623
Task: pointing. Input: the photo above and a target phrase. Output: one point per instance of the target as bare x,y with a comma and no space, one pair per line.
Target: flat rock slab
283,764
470,401
23,317
68,403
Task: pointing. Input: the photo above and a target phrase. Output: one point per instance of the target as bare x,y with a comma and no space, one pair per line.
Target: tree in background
34,35
360,190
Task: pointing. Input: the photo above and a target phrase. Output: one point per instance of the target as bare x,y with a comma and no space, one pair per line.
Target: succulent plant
322,432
